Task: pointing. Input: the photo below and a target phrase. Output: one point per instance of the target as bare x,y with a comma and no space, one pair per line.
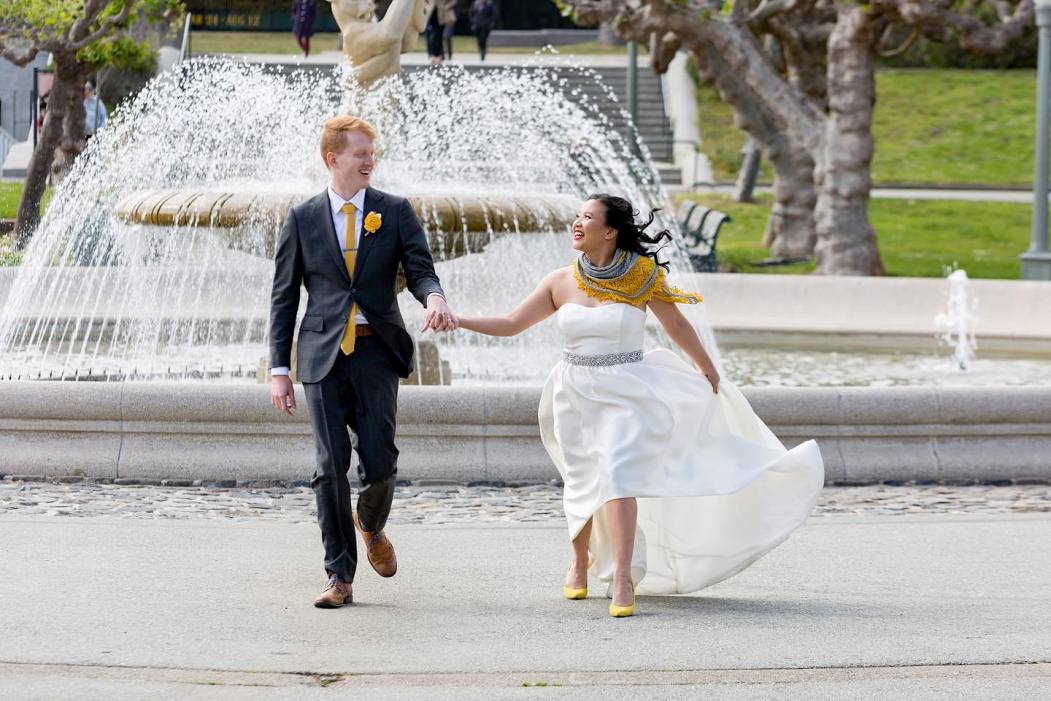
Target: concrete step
670,174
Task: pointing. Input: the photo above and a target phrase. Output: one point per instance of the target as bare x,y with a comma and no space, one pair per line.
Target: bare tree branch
936,19
900,49
662,50
106,27
15,58
92,10
786,34
739,13
818,33
12,29
769,8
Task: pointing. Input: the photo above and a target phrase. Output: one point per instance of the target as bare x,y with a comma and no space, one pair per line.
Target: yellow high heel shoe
577,594
574,593
571,593
624,611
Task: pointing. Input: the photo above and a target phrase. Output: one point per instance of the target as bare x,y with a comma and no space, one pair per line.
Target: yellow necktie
350,254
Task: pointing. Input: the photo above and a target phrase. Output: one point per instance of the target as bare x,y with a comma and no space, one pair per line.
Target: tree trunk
65,115
846,243
73,125
744,188
36,178
790,230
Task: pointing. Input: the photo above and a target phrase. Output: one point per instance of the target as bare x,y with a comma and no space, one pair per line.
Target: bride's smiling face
590,233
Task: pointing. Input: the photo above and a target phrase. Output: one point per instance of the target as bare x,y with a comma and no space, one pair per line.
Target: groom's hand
439,316
282,396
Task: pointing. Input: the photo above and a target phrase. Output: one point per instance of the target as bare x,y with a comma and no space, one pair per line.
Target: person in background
433,36
447,18
304,13
484,16
94,112
41,111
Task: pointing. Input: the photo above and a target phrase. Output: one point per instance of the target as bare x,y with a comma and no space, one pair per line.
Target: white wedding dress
716,489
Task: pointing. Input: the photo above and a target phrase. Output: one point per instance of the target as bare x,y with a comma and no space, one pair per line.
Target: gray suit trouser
354,408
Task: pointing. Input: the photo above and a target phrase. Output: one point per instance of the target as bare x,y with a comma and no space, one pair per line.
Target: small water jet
957,322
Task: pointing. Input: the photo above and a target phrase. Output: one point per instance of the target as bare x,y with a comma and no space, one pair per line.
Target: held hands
282,396
439,316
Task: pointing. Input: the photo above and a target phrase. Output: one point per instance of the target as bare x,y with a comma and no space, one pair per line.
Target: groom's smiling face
351,168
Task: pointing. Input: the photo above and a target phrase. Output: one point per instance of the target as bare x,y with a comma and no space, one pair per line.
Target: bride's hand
713,376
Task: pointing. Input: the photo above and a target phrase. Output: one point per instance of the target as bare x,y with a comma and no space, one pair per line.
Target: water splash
98,297
958,320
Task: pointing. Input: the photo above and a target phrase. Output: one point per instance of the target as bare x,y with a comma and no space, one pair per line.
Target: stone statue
375,48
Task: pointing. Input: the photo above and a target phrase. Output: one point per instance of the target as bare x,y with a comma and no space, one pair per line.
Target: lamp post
1036,262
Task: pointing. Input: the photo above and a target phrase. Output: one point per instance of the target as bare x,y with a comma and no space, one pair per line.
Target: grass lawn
258,43
10,192
917,238
930,127
285,43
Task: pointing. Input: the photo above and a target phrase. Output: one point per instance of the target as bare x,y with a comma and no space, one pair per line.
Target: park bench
700,230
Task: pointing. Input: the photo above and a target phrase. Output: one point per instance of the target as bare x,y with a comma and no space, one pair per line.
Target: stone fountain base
142,430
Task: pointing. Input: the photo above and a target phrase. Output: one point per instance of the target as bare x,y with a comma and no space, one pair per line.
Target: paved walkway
918,606
903,193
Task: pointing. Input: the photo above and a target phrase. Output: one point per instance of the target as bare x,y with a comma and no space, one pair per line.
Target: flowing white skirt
716,489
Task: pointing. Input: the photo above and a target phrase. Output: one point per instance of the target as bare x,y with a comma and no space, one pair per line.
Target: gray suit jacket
308,254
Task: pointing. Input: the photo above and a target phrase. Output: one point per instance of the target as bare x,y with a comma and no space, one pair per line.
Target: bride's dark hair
620,215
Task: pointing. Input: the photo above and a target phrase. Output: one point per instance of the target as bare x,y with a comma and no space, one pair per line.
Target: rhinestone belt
602,360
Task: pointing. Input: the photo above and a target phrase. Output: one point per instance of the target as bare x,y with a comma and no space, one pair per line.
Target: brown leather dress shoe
335,595
380,550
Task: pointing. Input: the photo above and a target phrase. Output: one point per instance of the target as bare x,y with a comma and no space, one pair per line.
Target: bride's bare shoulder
559,275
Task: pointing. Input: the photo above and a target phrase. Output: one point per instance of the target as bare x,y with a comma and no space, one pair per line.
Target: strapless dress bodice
602,330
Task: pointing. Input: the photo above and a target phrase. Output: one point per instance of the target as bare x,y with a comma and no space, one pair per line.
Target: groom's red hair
333,133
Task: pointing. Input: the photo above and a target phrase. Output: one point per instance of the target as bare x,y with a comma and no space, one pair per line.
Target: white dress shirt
339,221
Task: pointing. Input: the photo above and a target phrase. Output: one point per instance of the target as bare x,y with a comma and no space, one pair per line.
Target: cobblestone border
450,504
291,484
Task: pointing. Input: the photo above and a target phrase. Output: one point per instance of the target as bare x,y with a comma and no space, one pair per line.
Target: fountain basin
210,432
839,313
455,223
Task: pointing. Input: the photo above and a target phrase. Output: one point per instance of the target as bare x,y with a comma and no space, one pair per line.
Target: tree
809,103
81,36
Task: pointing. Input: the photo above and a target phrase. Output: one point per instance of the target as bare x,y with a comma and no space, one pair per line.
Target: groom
345,245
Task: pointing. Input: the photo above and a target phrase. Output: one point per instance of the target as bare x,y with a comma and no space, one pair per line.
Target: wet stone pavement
445,503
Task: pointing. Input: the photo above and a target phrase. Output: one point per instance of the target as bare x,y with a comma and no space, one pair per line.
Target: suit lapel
373,203
323,215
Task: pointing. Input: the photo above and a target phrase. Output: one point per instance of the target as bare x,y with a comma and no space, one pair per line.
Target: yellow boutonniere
373,222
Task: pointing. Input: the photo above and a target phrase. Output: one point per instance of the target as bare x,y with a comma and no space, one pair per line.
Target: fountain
154,257
957,323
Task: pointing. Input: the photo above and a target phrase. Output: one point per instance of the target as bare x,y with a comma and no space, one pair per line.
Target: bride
672,483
